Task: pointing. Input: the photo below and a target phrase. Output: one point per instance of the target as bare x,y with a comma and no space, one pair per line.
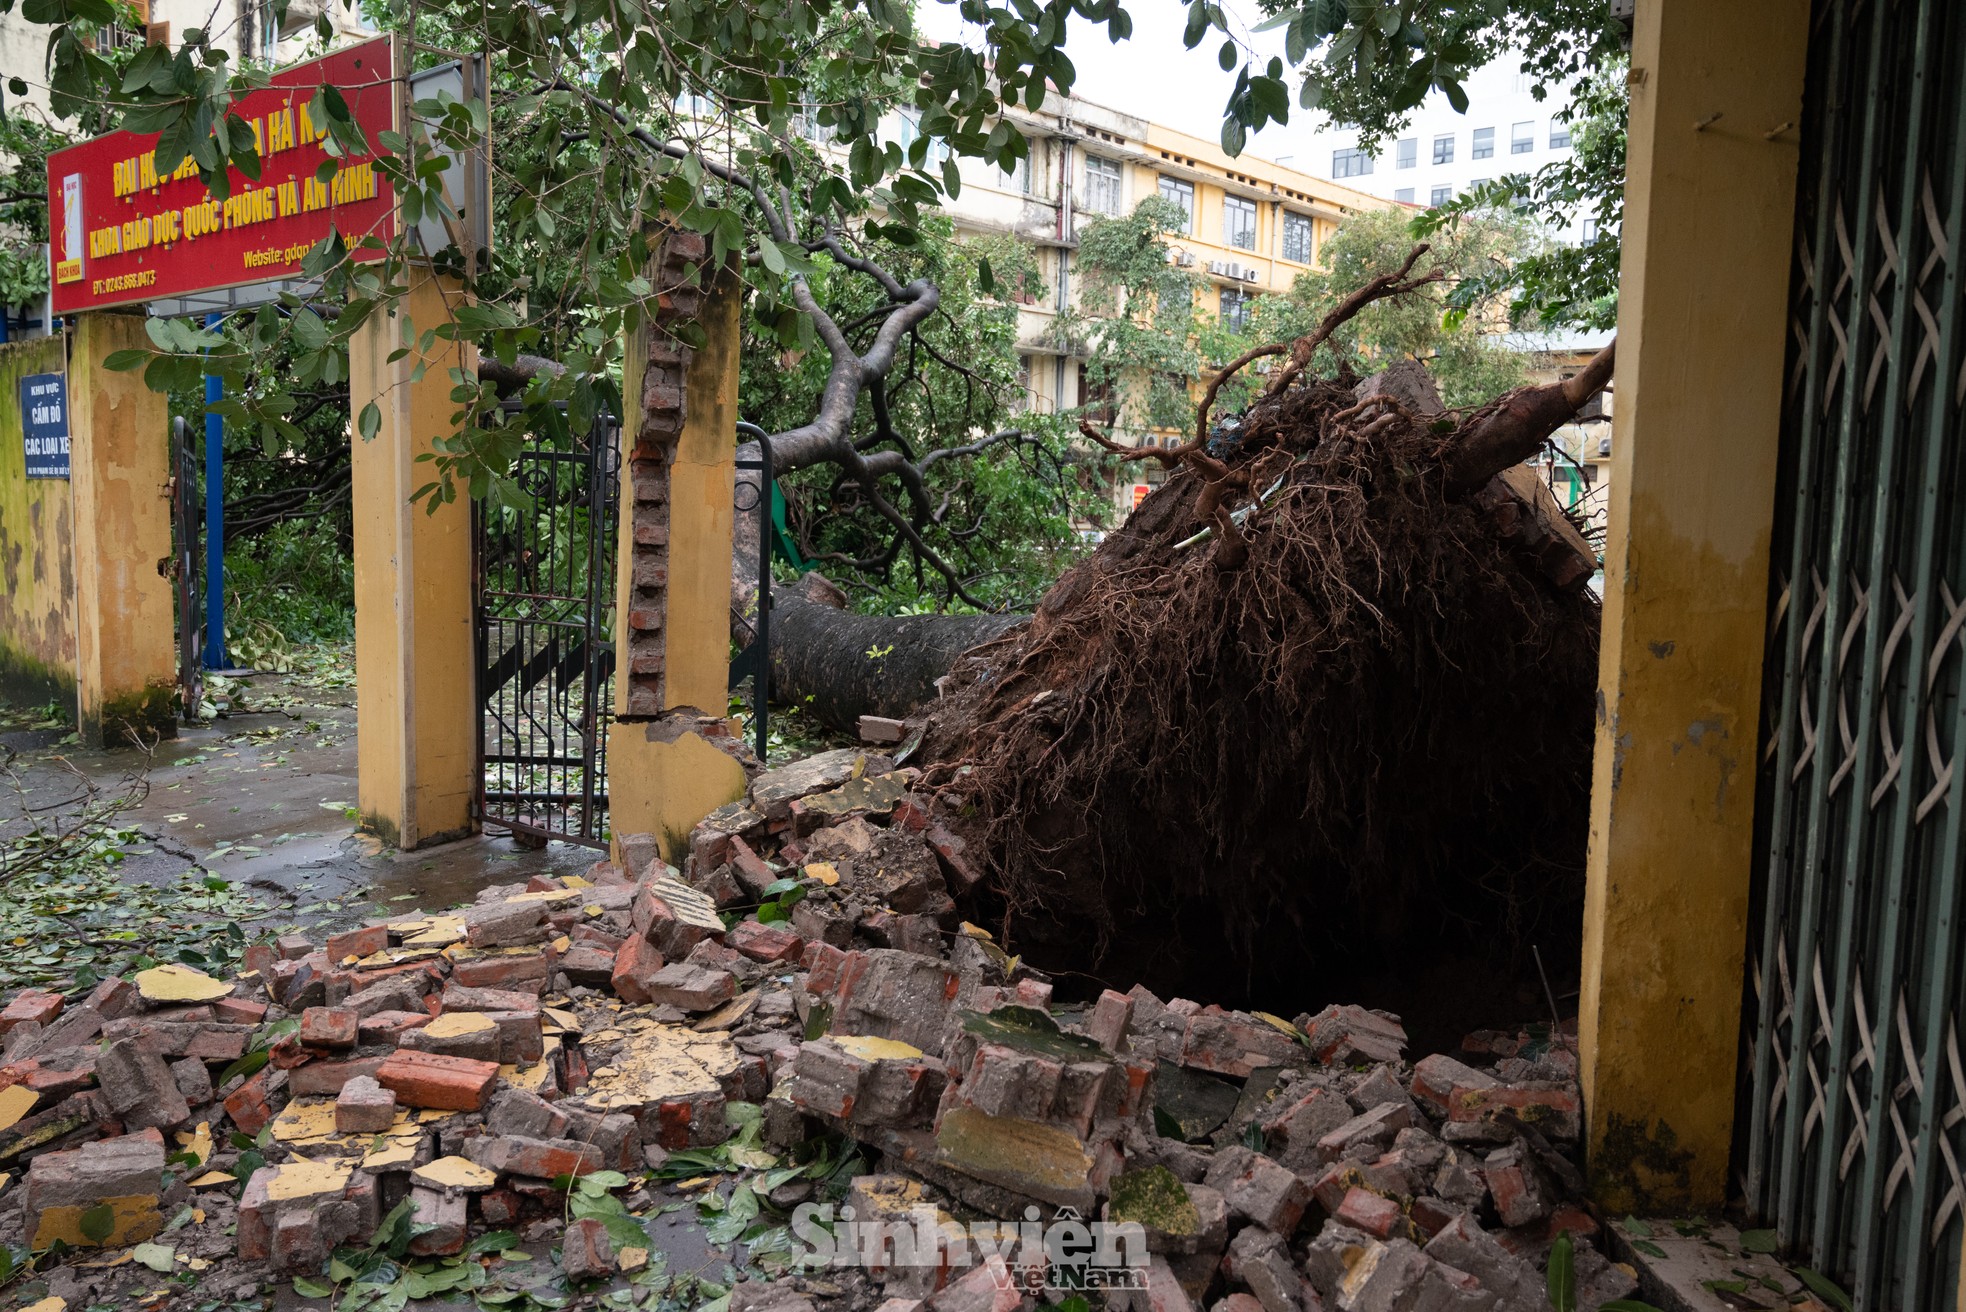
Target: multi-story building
1443,153
1254,225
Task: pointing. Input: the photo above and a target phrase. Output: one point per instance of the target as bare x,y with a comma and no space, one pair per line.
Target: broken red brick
390,1026
635,967
364,1107
526,971
37,1005
239,1011
358,943
538,1159
329,1077
247,1105
765,942
586,1251
426,1079
329,1027
1367,1211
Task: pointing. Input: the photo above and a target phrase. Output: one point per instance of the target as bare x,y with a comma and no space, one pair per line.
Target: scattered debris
798,1019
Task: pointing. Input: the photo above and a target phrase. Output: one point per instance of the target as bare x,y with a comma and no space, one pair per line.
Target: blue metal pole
214,519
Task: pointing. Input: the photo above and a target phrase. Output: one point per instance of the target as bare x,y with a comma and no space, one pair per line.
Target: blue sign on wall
44,422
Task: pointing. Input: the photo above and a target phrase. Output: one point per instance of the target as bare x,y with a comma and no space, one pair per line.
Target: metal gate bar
755,660
1853,1092
187,567
545,605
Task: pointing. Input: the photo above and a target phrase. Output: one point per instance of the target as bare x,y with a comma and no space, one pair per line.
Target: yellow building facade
1254,225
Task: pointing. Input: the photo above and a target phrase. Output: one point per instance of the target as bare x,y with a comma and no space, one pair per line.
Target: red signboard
120,234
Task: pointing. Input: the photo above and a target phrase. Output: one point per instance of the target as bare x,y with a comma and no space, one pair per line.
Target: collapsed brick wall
651,450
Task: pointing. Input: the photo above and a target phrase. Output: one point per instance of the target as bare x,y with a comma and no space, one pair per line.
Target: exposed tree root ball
1360,725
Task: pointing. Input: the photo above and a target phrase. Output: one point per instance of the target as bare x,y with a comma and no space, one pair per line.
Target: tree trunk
839,666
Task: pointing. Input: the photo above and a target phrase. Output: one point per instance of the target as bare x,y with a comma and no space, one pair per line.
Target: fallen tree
838,666
1324,691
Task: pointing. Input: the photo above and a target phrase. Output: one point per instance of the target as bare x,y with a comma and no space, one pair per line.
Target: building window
1025,399
1235,309
806,123
1405,194
1298,241
1590,231
1478,182
1484,144
933,153
1018,177
1350,164
1409,152
1559,136
1442,195
1522,138
1182,194
1444,149
1239,223
1102,185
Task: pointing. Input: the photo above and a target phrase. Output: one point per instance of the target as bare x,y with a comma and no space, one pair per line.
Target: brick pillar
670,752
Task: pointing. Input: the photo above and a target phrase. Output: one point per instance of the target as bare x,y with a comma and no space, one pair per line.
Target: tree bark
838,666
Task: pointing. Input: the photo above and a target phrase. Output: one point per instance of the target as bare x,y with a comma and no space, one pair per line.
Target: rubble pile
803,977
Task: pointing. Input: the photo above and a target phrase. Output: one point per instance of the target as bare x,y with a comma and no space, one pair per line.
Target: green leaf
1759,1241
1226,56
1561,1277
1197,26
97,1223
1626,1305
370,422
1233,137
1824,1288
246,1065
158,1257
125,360
1647,1247
310,1289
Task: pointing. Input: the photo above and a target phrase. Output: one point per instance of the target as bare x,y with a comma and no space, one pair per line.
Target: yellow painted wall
662,779
702,482
663,785
1709,219
37,546
119,459
415,656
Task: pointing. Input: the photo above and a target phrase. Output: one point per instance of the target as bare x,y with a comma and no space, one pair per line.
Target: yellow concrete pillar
119,476
1709,219
415,655
672,615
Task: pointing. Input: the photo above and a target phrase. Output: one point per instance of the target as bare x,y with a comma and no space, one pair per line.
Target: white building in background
1441,154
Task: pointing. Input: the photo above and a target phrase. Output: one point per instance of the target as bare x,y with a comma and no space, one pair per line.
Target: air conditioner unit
1249,274
1187,260
1218,267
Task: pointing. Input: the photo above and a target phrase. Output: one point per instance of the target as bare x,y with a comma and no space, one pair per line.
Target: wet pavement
263,798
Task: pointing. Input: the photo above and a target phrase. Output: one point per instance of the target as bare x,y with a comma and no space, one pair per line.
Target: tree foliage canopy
1155,331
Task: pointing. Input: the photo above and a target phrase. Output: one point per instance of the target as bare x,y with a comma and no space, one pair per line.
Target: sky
1153,75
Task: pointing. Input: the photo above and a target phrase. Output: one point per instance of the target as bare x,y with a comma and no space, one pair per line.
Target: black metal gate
188,567
545,628
1852,1120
